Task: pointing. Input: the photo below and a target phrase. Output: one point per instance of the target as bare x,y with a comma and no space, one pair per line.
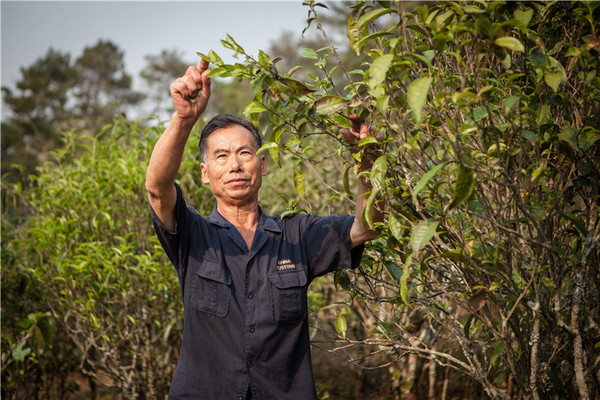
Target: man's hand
360,233
360,131
191,92
190,95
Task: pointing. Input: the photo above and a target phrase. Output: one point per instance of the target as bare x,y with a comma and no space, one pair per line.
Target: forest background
484,281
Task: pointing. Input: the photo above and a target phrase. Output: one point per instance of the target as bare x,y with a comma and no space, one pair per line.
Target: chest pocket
288,296
210,288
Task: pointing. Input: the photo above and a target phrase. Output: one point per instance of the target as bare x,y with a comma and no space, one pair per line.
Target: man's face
232,167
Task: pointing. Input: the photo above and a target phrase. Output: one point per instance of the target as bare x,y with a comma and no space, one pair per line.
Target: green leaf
299,183
340,325
300,88
340,278
19,353
456,255
378,172
347,181
422,234
426,178
523,17
267,146
354,32
378,70
467,326
212,57
367,140
395,227
45,329
510,43
368,211
463,186
417,95
404,280
329,104
510,102
231,44
254,107
373,15
473,10
579,223
394,270
293,69
370,37
310,53
555,75
480,113
264,60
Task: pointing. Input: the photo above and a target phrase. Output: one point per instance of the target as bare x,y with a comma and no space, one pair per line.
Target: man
243,274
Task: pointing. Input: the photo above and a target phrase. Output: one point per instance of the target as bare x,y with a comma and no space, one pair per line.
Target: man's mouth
237,181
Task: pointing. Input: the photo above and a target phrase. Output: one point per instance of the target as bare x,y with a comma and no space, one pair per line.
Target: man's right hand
190,95
191,92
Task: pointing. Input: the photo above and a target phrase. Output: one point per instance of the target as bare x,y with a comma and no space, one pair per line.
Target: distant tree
56,95
103,85
158,74
38,111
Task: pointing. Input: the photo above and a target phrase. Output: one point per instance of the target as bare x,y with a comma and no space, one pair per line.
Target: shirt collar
265,221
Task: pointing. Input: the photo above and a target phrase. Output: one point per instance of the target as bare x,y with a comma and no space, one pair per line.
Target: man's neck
245,218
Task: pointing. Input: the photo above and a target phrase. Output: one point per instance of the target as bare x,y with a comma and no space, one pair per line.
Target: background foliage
487,266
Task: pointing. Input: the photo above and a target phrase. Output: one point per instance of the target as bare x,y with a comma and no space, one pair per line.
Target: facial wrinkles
235,160
233,163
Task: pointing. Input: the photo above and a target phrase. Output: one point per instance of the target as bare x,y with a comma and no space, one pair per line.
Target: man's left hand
361,130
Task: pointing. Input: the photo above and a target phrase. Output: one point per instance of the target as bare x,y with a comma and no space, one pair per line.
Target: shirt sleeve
173,242
328,246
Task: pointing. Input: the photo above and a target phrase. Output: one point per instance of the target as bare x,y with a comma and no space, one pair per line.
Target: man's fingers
206,82
202,66
355,122
348,135
364,131
191,85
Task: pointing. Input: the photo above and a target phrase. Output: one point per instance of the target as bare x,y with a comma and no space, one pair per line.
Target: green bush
86,287
488,261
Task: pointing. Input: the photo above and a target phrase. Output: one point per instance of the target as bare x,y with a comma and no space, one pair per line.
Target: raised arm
190,94
360,233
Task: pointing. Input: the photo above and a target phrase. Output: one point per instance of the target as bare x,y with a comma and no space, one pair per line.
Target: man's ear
263,165
204,170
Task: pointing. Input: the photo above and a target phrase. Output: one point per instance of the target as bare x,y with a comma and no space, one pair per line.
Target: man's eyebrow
242,147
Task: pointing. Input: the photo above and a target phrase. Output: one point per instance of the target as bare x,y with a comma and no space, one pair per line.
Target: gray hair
223,121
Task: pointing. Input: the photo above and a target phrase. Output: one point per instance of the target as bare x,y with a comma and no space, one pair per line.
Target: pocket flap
288,279
213,271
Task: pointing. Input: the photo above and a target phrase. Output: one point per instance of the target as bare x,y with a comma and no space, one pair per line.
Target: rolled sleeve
327,241
171,241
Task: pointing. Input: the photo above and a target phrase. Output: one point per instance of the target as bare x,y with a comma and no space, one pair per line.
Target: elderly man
243,274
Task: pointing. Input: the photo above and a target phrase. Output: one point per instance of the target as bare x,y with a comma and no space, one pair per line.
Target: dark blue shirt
245,310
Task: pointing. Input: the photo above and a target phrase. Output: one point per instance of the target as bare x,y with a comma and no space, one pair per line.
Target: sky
140,28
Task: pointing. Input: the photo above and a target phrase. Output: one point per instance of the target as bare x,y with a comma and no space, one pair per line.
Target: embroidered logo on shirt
285,264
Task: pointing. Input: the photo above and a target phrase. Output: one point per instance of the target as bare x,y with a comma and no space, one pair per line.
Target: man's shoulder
304,220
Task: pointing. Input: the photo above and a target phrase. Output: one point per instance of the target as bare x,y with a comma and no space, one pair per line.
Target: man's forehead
234,136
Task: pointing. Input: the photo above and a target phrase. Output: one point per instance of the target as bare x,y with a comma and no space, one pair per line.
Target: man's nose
234,163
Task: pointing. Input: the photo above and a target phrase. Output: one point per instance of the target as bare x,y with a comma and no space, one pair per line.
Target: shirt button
249,364
250,296
240,397
251,330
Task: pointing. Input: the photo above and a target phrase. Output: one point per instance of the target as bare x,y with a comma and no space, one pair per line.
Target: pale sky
139,28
